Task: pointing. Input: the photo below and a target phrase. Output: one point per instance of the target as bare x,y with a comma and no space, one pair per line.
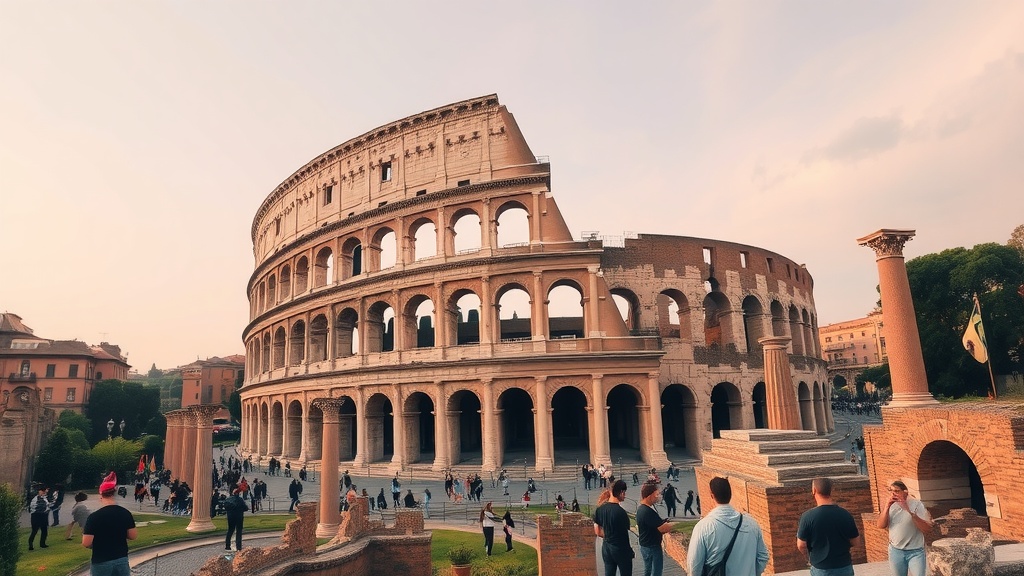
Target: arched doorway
466,427
315,421
418,423
803,396
380,428
347,430
679,422
293,441
517,429
569,427
725,408
624,422
947,478
276,429
760,401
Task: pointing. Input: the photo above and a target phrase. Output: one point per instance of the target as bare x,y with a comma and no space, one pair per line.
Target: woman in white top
487,520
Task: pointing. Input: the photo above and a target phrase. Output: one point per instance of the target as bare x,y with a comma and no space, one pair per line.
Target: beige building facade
852,346
421,276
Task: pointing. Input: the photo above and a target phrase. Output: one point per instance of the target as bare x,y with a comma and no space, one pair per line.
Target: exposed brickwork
676,545
566,545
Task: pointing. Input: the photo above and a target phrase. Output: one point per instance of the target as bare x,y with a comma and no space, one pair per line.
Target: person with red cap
107,532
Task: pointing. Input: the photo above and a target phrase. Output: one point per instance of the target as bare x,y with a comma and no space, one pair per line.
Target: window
743,259
277,227
99,376
771,267
862,333
47,394
707,256
828,339
24,368
421,192
51,370
73,371
865,359
789,272
71,395
463,183
385,172
328,194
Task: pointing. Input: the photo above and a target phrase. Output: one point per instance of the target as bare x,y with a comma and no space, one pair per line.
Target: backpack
719,569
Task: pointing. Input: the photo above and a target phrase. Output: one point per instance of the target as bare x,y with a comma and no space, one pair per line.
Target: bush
460,555
10,510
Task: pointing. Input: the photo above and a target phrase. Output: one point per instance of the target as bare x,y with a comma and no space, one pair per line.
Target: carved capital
887,243
329,406
202,415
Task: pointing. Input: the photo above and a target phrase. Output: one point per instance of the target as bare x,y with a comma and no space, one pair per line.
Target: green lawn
63,556
524,555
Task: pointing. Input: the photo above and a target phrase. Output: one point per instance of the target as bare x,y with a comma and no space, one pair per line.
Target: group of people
601,476
471,487
488,521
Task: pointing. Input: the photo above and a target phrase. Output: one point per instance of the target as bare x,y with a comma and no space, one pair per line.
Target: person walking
650,526
107,532
487,520
507,524
294,490
688,505
907,520
612,524
725,536
826,533
79,514
671,498
234,509
39,508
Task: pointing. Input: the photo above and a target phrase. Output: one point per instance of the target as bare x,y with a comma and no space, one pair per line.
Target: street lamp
110,428
122,428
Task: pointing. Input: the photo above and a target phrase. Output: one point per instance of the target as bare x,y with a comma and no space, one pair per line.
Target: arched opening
466,232
717,328
301,275
513,223
839,382
760,402
778,319
679,422
347,429
466,428
285,285
752,328
351,258
265,365
424,235
806,408
726,407
419,324
418,423
467,318
346,333
254,359
279,344
517,426
947,478
383,252
570,428
297,354
514,313
796,331
819,408
380,328
323,268
293,438
315,421
318,338
271,291
276,428
264,429
624,421
565,311
629,308
380,428
262,297
673,315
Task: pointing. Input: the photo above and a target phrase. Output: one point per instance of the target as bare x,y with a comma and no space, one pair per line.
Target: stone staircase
777,457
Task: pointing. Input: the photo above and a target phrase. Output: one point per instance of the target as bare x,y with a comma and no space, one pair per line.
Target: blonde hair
604,497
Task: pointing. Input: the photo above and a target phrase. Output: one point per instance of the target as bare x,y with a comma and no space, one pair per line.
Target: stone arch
301,275
383,252
318,333
380,428
679,422
623,401
753,328
314,432
323,267
293,436
818,404
759,401
424,239
517,433
263,446
297,341
276,428
271,291
418,421
717,323
726,408
466,231
513,311
810,336
418,322
778,318
351,258
464,318
284,286
512,223
570,429
673,314
803,395
280,341
796,332
629,308
948,478
348,429
380,327
346,333
265,364
465,425
262,297
565,298
255,361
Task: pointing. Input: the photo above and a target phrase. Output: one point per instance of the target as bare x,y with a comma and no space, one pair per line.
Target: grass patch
684,527
443,540
66,556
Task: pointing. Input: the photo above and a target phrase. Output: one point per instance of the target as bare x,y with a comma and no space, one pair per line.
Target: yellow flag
974,336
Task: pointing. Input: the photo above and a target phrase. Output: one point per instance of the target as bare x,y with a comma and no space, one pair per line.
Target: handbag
719,568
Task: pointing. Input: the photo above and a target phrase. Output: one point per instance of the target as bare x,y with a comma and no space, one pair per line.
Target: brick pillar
906,362
543,426
202,489
783,413
601,453
330,517
657,457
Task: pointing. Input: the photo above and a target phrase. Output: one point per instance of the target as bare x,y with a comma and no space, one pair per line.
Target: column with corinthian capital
330,518
202,490
783,412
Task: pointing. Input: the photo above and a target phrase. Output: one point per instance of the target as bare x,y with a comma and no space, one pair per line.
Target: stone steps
761,435
767,446
777,456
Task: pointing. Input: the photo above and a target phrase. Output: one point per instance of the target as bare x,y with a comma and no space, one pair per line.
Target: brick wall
566,545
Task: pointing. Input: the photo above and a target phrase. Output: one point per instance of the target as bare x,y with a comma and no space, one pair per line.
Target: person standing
507,524
107,532
907,520
58,501
688,505
39,508
487,520
650,526
234,509
294,490
612,524
671,498
396,491
426,503
79,514
727,536
826,533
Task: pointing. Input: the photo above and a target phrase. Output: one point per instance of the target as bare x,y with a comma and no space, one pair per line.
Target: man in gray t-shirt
907,520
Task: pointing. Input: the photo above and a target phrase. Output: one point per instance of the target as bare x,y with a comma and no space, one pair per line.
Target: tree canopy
74,421
943,286
115,400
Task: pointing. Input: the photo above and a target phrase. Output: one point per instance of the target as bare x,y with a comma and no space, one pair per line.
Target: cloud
867,137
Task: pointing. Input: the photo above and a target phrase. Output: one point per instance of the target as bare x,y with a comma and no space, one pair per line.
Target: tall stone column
441,440
488,317
490,436
658,457
602,453
172,445
780,398
361,458
202,489
398,458
330,518
906,362
188,448
543,427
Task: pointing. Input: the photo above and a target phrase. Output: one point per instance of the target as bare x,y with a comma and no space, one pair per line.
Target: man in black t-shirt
612,524
826,533
651,526
107,532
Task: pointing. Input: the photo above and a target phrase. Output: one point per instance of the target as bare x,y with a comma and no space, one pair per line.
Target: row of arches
388,246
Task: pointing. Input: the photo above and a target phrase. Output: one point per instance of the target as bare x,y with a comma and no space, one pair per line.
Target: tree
943,286
74,421
118,455
234,405
10,547
115,400
878,375
1017,239
56,461
155,372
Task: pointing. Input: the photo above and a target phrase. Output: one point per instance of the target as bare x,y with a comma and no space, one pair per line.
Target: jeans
234,527
654,560
40,523
488,539
615,559
844,571
907,562
115,567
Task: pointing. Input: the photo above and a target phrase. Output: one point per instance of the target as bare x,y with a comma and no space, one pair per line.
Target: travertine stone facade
416,274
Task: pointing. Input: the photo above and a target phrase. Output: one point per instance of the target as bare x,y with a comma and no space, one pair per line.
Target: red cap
109,483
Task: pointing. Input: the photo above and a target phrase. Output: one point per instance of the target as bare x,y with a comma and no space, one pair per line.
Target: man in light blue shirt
711,537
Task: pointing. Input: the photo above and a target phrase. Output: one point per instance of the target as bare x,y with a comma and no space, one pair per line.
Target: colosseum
421,277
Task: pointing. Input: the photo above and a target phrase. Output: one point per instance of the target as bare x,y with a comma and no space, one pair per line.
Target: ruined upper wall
468,142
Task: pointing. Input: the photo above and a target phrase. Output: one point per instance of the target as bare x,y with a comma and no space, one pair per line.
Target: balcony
23,378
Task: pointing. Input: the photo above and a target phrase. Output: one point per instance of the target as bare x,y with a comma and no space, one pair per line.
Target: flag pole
995,395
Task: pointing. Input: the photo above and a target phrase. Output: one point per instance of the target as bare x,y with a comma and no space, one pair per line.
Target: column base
327,530
545,464
912,400
440,465
200,525
605,459
659,459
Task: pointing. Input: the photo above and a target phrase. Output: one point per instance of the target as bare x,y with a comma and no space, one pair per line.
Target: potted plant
461,558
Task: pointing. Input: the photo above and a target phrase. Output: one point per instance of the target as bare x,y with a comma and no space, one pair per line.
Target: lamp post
122,428
110,428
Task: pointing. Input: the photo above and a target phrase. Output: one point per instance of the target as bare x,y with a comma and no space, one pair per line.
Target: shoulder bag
719,568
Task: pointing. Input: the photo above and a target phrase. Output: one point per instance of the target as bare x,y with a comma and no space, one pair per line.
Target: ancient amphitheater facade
422,276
